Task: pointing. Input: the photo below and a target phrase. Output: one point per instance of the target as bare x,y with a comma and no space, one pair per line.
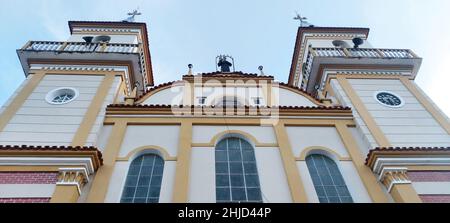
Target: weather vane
132,15
302,20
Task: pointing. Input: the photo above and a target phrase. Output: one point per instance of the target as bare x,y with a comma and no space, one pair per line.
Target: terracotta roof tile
230,74
52,148
194,106
405,149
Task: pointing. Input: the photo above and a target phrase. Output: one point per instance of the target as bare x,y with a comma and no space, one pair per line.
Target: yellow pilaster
181,184
368,178
85,127
405,193
398,185
18,101
374,129
101,181
293,176
437,115
65,194
69,185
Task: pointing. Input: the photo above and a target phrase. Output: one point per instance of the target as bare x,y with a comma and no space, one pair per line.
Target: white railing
354,53
81,47
362,52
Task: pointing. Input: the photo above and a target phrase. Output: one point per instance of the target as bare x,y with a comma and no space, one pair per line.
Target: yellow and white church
89,125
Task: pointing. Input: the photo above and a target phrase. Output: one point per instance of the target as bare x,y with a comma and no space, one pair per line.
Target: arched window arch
236,172
143,183
327,179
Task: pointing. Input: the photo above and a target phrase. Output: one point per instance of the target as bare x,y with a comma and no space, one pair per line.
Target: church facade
89,125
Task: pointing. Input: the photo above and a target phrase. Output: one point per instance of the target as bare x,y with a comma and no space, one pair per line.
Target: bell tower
69,84
339,64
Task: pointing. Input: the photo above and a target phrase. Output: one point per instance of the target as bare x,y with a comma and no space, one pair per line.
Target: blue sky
257,32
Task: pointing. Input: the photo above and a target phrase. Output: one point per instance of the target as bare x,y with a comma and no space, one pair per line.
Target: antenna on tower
302,20
132,15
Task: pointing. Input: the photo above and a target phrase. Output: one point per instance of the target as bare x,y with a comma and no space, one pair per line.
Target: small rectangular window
257,100
201,100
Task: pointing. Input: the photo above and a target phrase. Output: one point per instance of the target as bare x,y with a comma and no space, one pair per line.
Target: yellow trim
181,184
215,139
164,154
224,121
437,115
307,151
368,178
18,100
88,122
65,194
102,177
363,113
405,193
290,166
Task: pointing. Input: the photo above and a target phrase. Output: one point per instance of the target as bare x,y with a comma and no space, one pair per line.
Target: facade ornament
73,176
391,176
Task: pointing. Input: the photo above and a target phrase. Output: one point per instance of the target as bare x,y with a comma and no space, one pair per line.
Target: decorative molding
86,162
73,176
86,68
391,176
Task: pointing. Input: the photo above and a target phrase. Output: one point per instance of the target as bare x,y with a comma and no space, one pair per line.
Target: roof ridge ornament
132,15
303,22
221,61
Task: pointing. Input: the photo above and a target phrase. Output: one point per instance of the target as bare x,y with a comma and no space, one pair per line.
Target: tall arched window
327,179
236,173
144,178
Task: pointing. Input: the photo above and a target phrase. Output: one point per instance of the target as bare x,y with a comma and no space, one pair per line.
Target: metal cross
132,15
302,20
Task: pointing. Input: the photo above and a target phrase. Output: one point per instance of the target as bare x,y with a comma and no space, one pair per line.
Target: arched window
229,102
144,178
327,179
236,173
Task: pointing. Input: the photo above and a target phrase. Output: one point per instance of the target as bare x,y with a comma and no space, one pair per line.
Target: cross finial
302,20
132,15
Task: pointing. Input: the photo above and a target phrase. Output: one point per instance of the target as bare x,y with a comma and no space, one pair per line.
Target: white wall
409,125
302,137
204,134
245,95
40,123
164,136
170,96
288,98
27,190
202,182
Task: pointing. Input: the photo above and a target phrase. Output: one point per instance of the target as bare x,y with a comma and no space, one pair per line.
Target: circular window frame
53,93
402,101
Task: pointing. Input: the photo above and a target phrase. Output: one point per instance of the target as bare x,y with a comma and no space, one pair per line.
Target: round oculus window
388,99
61,96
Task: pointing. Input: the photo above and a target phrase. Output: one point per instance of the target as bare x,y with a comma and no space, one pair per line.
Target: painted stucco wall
40,123
283,97
409,125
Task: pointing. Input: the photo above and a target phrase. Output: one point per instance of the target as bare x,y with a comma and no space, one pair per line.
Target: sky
254,32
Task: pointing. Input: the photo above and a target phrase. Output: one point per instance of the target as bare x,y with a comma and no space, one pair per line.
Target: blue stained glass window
236,172
327,179
143,183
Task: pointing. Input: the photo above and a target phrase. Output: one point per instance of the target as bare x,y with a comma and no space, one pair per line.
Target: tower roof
314,29
132,25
